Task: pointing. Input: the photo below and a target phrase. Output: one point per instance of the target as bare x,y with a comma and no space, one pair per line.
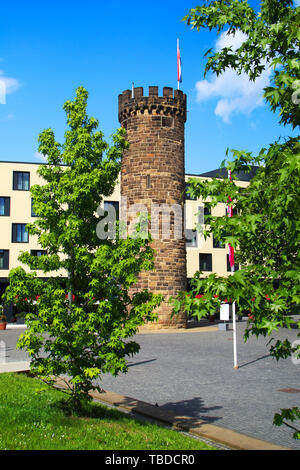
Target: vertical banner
179,71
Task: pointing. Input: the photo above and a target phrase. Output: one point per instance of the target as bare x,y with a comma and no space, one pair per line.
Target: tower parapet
153,176
169,104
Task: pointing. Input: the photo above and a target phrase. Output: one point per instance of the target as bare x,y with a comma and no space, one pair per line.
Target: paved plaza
191,373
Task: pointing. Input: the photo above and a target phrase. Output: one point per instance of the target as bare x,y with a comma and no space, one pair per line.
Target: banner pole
235,365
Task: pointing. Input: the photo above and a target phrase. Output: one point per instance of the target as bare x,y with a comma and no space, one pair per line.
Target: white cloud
40,156
7,85
227,40
11,84
236,93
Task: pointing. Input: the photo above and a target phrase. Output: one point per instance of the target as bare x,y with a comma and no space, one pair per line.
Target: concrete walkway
186,379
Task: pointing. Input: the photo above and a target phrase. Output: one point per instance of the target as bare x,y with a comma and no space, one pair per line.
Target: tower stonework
153,175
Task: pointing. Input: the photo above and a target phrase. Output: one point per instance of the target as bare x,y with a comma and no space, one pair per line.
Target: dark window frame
33,214
42,252
6,206
206,214
218,243
116,206
191,242
14,233
201,262
15,180
188,197
5,258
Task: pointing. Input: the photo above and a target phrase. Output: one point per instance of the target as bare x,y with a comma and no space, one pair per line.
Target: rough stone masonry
153,174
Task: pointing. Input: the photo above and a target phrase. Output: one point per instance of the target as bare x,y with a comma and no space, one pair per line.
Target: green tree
265,232
79,325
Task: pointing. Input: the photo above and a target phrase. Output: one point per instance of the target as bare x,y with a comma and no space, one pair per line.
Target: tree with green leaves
265,230
80,319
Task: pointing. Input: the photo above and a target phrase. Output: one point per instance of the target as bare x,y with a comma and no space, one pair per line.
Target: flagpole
231,261
177,64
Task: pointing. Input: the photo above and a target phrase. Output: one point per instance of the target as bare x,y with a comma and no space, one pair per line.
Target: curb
198,329
196,427
200,428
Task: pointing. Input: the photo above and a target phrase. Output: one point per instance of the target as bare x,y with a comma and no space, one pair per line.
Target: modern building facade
16,210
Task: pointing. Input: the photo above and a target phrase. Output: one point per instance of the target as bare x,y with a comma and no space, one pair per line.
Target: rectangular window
4,259
218,243
207,214
5,206
236,266
191,238
187,195
38,252
33,214
21,180
205,262
114,204
19,233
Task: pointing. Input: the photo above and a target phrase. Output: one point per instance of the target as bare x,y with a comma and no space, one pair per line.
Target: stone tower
153,174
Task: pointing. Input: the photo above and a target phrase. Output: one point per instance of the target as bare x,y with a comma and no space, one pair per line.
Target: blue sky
49,48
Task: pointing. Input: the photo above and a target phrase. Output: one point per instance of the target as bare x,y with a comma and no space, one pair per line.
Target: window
38,252
187,195
114,204
19,233
235,211
207,214
167,121
218,243
205,261
4,259
191,238
21,180
4,206
33,214
236,266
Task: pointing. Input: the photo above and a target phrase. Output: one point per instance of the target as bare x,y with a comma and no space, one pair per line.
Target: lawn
31,419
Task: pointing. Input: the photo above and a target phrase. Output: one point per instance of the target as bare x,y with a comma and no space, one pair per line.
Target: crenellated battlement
171,103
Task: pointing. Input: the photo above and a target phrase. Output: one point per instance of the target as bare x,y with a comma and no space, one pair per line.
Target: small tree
79,324
265,232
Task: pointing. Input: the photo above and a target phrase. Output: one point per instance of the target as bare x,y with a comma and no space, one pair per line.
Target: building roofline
24,163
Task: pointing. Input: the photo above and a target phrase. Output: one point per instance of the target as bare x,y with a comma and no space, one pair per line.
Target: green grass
31,419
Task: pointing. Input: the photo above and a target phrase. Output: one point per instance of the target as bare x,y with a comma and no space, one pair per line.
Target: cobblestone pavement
192,374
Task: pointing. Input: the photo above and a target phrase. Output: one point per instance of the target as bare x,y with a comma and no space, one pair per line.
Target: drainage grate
289,390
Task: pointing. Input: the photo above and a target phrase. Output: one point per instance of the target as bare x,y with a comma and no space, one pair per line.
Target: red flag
179,72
